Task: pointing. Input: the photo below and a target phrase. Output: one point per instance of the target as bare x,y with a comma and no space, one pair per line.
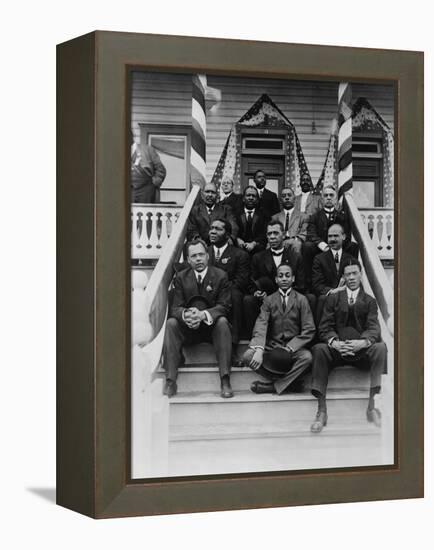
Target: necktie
351,300
283,302
277,253
209,211
287,222
249,224
337,259
217,254
199,281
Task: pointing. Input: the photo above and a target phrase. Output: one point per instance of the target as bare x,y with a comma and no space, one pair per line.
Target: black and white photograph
262,273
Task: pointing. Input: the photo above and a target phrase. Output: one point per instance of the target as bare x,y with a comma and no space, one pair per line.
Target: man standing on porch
350,334
268,201
199,313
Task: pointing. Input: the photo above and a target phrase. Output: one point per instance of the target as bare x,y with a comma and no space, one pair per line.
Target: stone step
206,378
249,409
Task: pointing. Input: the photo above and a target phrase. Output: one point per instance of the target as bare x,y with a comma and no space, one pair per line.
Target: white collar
334,253
247,212
222,249
352,293
284,294
227,195
202,274
288,210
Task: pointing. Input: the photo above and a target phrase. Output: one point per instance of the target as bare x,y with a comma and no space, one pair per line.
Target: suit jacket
325,276
335,316
313,203
147,176
269,203
298,223
235,201
319,225
264,271
236,263
199,221
215,288
259,227
293,327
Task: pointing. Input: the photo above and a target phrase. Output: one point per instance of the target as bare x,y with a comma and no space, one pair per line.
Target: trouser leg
174,338
222,342
319,309
376,356
322,362
301,361
237,314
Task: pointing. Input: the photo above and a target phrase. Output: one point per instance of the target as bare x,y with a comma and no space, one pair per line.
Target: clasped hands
348,348
193,317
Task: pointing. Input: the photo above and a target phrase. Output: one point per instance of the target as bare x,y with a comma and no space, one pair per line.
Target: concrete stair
265,432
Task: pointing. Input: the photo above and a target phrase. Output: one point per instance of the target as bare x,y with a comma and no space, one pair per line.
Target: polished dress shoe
319,422
226,390
374,415
170,388
262,387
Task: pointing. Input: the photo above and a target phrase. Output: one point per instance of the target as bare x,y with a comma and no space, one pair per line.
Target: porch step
206,378
247,409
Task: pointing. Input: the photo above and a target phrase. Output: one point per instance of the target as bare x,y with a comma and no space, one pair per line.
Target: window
367,170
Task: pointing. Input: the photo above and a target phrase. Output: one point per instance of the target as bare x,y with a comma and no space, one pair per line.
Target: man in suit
203,213
319,224
268,201
350,334
307,202
147,174
294,222
199,312
264,269
327,271
229,198
236,263
283,329
252,223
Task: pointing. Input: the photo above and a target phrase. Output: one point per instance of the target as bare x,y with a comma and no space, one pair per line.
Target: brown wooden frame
94,279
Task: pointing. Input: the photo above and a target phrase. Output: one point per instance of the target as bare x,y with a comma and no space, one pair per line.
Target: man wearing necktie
252,223
268,201
228,197
281,333
350,334
295,223
199,313
327,276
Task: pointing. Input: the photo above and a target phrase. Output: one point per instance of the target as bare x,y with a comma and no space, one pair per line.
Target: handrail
374,269
156,293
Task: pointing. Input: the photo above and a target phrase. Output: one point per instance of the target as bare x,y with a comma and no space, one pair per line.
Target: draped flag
345,153
198,133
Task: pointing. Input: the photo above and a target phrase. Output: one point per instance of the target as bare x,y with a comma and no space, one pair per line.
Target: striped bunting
198,133
345,160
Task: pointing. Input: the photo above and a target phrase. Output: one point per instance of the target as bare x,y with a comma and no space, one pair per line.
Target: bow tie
277,253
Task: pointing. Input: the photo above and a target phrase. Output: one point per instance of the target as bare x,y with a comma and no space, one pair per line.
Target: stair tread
248,396
336,427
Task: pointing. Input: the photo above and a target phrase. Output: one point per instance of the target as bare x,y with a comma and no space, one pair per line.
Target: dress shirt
278,258
352,294
303,202
220,250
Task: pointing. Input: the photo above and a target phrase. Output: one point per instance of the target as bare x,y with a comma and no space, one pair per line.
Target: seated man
327,268
307,202
294,222
282,331
203,213
252,223
318,227
264,271
229,198
236,263
199,313
268,201
350,334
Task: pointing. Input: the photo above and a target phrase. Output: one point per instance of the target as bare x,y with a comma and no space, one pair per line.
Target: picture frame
94,352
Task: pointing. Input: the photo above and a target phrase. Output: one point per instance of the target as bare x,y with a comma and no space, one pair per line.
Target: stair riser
257,413
241,380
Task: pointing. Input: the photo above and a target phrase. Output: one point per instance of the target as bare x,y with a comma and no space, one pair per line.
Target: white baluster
164,221
153,240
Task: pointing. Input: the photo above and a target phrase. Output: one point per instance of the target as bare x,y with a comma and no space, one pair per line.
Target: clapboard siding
162,98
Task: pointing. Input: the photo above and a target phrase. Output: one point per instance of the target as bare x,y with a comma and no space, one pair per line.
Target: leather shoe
226,390
170,388
374,415
262,387
238,363
319,422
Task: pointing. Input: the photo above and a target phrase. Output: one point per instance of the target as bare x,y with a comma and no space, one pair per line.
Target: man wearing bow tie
264,270
252,223
284,327
268,201
236,263
202,214
350,334
327,271
199,313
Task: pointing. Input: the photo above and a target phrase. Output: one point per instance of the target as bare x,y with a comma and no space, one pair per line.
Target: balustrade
380,225
151,227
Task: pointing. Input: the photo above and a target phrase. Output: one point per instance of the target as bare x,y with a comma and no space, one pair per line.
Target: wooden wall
166,99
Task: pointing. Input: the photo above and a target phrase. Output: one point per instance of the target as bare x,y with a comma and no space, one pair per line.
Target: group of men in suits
287,280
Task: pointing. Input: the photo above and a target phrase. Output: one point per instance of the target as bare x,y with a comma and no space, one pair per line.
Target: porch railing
380,225
151,227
